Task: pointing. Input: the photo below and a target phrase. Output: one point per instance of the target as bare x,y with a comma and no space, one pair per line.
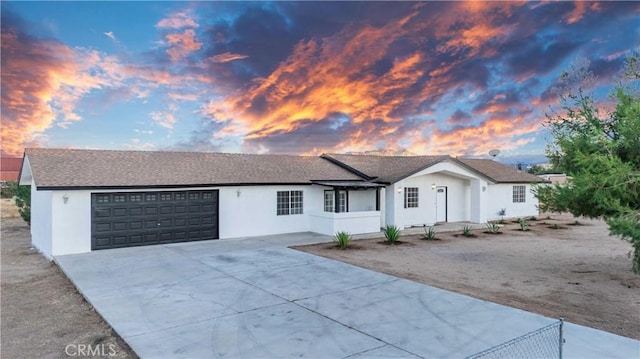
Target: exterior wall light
238,193
399,189
433,186
65,198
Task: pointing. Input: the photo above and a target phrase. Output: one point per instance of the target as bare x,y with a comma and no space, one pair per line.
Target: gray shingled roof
67,168
390,169
385,169
499,172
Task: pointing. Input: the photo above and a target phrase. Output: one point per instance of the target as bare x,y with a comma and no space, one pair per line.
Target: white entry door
441,204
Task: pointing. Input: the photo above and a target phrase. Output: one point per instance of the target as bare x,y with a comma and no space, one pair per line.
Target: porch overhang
348,185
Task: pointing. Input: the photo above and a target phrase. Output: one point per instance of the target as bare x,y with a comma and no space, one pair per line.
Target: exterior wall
253,212
501,196
41,220
60,228
330,223
362,200
71,225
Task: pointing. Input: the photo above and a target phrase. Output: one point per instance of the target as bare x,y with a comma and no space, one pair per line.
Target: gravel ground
576,271
42,314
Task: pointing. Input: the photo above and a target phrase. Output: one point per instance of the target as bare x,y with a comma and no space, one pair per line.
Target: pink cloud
177,20
226,57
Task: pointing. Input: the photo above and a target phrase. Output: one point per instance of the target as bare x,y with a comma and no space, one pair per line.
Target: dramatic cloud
227,57
308,77
177,20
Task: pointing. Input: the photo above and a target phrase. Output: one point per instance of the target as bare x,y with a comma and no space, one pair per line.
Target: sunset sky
455,78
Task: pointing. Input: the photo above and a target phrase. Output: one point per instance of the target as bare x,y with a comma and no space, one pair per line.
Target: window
194,195
328,201
180,197
119,198
165,196
103,198
150,197
329,205
135,198
411,197
289,202
519,194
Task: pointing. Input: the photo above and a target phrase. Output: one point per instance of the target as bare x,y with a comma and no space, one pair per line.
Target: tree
600,151
23,202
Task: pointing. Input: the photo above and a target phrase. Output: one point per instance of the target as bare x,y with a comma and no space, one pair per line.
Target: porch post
346,194
335,200
378,199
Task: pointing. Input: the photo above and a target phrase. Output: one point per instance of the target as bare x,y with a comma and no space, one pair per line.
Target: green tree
23,202
600,151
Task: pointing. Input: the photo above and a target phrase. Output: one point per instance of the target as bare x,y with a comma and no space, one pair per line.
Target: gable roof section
72,168
499,172
384,169
390,169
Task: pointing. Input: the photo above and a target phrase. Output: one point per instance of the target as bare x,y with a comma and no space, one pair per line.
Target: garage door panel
132,219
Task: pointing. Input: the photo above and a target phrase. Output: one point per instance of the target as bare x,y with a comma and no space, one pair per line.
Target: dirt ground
42,315
577,272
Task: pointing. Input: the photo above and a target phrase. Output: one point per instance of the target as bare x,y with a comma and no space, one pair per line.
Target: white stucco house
84,200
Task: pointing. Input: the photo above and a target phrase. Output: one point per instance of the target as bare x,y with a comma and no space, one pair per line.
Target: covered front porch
349,206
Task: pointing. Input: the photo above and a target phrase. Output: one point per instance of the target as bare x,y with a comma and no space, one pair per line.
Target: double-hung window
289,202
329,201
411,197
519,194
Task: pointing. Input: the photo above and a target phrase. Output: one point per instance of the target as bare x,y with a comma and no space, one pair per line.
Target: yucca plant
342,239
493,227
392,233
466,231
429,233
524,226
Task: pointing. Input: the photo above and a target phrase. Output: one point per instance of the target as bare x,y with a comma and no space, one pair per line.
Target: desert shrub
392,233
466,231
533,218
429,233
493,227
524,226
9,189
23,202
342,239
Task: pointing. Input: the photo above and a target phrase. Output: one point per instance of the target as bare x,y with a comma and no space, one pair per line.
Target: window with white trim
519,194
411,197
328,201
289,202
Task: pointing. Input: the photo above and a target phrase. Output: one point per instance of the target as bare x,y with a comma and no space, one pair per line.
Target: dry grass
8,208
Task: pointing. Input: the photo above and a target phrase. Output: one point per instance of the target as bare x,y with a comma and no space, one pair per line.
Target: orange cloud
181,44
42,80
226,57
177,20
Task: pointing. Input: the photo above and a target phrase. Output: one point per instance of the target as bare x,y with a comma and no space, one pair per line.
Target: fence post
561,339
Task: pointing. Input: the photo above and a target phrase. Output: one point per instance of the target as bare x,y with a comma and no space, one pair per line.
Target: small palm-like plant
524,226
342,239
493,227
392,233
466,231
429,233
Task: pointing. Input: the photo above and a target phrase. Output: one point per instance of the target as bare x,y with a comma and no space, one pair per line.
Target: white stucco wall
459,196
362,200
501,196
41,217
60,228
330,223
71,225
253,213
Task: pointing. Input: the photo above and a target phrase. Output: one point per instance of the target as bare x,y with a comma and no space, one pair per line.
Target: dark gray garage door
143,218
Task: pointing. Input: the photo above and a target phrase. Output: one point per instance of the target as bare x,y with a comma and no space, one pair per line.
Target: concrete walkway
255,298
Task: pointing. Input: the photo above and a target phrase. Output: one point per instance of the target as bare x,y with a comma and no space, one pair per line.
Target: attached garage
144,218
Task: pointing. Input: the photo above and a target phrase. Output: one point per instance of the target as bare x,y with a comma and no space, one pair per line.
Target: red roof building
10,168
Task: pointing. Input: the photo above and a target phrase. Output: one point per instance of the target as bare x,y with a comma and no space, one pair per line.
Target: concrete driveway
255,298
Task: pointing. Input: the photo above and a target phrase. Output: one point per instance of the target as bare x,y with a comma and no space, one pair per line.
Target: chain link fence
545,342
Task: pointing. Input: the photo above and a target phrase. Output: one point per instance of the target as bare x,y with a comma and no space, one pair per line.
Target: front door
441,204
